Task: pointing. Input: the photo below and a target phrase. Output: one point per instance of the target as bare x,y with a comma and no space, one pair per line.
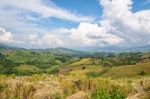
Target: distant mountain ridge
144,48
139,48
62,50
9,47
5,46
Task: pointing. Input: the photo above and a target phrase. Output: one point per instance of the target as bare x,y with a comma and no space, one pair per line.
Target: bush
100,94
53,70
142,73
93,74
83,68
115,93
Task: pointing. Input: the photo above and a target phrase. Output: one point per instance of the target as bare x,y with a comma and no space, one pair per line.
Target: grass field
73,86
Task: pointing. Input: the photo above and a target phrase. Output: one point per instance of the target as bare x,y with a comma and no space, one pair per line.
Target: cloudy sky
74,23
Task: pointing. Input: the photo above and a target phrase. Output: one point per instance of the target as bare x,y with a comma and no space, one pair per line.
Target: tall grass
61,87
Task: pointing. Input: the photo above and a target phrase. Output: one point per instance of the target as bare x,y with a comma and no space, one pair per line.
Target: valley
70,74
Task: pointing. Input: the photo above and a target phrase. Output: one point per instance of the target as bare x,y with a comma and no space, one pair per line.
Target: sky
74,23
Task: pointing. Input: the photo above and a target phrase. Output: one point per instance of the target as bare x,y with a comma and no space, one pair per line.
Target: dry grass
56,87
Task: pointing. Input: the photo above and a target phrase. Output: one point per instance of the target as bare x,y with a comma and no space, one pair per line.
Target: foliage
128,70
115,93
93,74
142,73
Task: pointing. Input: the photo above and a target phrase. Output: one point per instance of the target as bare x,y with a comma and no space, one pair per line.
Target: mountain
5,46
86,51
62,51
144,48
108,49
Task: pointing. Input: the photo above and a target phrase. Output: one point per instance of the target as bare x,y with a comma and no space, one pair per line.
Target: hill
53,60
128,70
125,71
13,58
88,50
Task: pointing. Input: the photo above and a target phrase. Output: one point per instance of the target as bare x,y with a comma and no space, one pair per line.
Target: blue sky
74,23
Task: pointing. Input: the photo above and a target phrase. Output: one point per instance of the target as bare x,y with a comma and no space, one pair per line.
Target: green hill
128,70
63,60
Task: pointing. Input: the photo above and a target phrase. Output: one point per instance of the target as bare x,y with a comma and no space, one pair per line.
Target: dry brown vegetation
70,87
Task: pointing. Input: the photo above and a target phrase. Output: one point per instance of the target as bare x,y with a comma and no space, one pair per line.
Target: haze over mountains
96,49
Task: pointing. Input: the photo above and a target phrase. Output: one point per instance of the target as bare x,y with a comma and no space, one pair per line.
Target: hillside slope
129,70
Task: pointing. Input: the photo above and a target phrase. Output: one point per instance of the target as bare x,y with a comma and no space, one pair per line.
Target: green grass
86,61
93,74
27,70
115,93
128,71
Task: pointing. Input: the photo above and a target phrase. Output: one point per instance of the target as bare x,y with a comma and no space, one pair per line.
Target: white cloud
44,11
90,34
119,19
47,40
30,18
34,39
52,40
6,37
13,22
118,25
17,16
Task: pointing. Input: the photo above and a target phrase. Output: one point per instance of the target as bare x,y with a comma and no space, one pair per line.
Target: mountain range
62,50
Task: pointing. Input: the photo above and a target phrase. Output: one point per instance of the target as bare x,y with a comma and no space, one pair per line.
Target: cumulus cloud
47,40
6,37
119,19
118,26
90,34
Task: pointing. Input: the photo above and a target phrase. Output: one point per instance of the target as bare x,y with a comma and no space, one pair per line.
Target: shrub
115,93
53,70
142,73
93,74
83,68
100,94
